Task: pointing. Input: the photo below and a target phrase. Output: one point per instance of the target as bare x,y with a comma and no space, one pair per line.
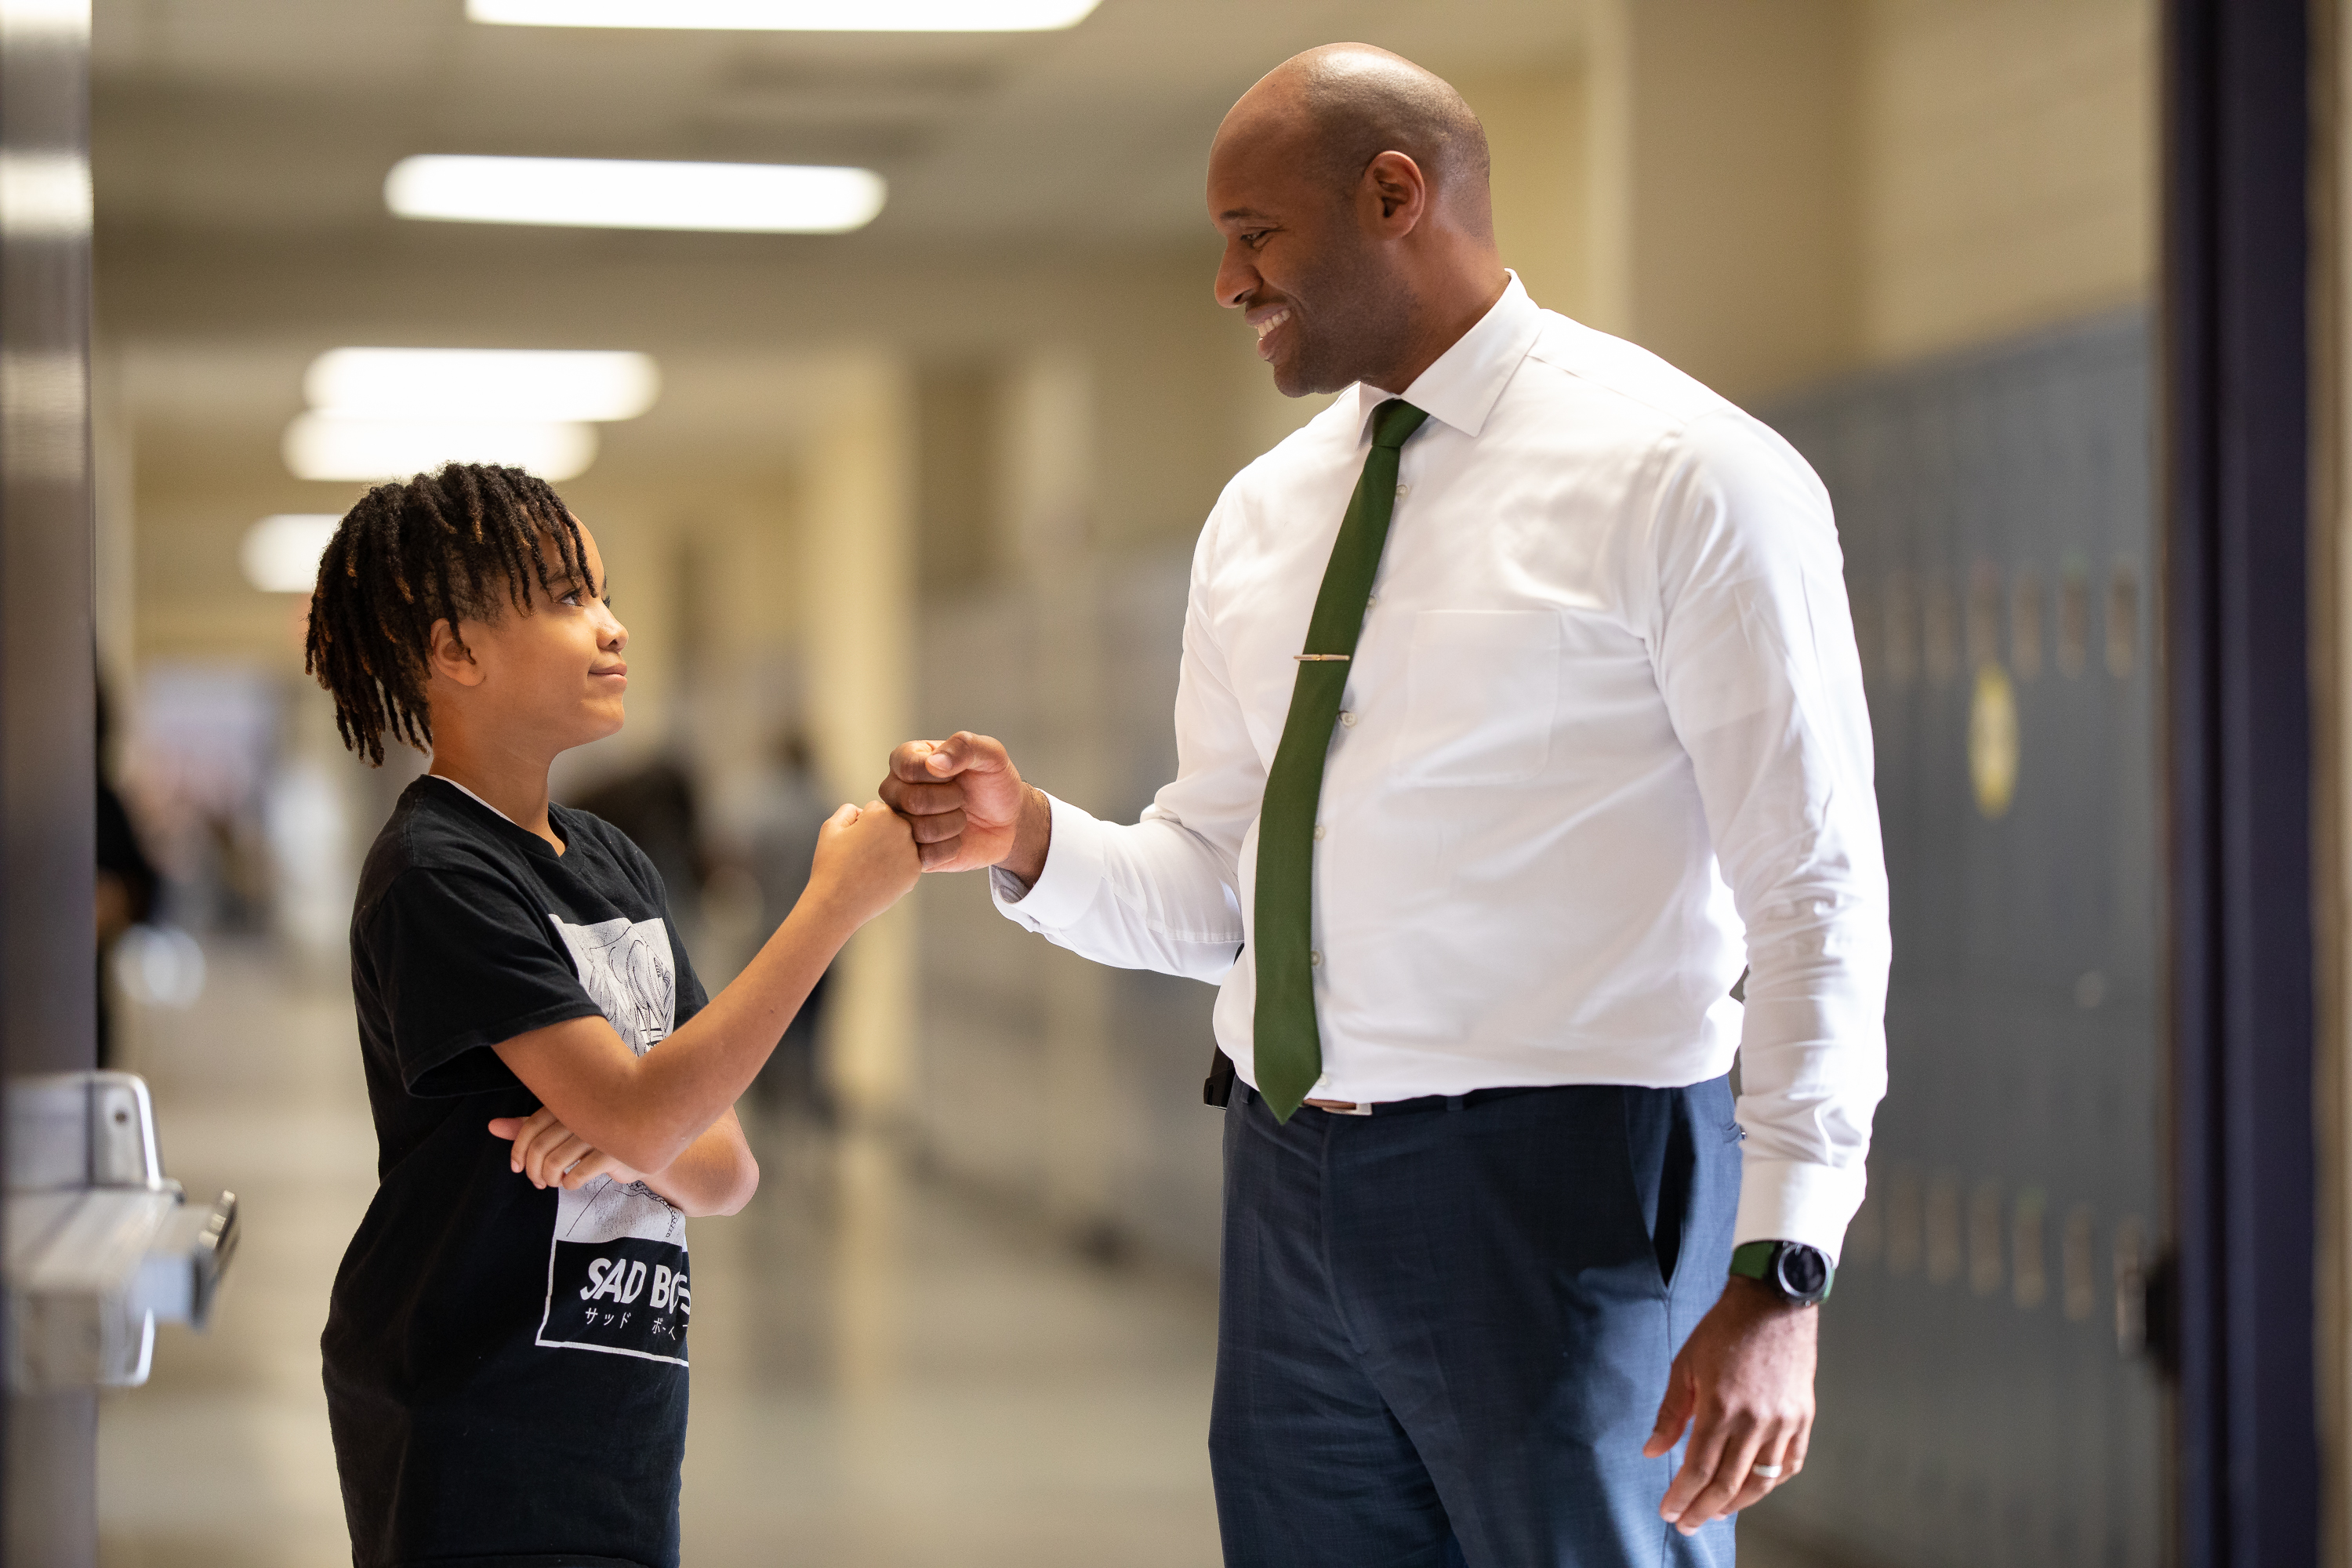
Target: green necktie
1289,1047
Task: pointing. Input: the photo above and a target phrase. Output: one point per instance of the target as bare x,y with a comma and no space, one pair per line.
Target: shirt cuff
1788,1200
1065,888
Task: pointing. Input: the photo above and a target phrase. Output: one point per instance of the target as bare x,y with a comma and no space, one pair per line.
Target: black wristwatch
1791,1269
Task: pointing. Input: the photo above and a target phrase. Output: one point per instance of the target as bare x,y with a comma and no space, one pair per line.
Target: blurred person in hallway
1519,710
783,841
504,1354
655,806
659,810
127,883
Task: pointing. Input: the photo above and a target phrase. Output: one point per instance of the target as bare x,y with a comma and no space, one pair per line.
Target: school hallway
907,416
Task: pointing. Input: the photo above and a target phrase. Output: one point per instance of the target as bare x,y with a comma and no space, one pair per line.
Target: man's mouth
619,670
1264,329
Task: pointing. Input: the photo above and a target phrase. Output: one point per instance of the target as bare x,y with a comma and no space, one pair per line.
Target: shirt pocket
1480,689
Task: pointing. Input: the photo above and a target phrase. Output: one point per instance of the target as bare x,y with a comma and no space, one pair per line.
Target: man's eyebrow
1238,215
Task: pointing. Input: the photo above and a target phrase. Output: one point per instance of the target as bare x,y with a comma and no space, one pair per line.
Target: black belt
1434,1101
1222,1083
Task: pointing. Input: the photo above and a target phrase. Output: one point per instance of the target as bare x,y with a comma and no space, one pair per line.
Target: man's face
1299,264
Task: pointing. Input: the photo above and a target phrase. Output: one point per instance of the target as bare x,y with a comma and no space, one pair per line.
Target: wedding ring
1770,1472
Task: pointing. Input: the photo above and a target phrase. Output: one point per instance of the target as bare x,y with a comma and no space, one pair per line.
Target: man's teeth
1271,323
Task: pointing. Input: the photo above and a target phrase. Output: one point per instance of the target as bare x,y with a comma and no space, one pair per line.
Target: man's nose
1236,280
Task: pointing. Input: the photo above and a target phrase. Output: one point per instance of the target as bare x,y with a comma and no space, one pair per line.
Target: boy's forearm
684,1091
749,1016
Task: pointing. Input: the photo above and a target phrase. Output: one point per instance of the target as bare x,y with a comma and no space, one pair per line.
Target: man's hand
1747,1376
969,806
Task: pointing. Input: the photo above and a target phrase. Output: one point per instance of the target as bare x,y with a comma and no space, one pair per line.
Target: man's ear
450,658
1394,193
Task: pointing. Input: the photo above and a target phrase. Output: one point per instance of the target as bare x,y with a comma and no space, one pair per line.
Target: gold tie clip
1320,658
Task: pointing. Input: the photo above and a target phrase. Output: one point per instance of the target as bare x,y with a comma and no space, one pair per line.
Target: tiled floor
885,1375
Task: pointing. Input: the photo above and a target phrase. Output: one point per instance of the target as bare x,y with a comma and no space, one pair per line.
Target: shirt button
1401,488
1347,718
1371,599
1314,959
1318,833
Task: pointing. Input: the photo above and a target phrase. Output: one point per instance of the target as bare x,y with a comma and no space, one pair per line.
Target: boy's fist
865,860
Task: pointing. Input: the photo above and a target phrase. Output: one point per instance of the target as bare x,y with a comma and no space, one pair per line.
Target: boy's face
552,679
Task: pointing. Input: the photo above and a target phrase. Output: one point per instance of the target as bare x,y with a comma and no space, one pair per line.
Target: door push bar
101,1245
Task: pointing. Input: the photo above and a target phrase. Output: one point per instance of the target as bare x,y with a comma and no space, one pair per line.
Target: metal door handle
101,1245
184,1261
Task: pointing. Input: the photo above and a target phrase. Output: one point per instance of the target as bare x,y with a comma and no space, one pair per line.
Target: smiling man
1519,710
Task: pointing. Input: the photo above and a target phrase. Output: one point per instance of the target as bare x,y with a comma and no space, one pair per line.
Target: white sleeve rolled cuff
1789,1200
1067,886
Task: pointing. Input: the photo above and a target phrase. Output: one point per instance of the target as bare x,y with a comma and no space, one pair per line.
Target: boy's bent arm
645,1110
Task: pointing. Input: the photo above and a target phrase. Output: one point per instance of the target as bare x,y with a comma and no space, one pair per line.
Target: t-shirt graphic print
624,966
616,1274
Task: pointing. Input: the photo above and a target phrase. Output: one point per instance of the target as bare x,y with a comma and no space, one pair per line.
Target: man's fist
969,806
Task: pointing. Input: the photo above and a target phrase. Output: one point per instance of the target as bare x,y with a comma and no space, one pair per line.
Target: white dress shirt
1603,743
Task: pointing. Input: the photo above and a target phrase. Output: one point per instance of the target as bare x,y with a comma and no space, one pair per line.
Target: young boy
506,1357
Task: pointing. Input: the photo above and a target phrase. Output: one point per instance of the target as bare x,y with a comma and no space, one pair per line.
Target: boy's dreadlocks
451,546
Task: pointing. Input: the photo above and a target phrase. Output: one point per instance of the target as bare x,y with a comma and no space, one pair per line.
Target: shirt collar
478,800
1460,388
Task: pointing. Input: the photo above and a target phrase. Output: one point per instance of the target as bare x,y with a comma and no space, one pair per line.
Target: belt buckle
1343,1107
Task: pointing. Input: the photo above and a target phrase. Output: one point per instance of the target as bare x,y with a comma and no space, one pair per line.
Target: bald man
1519,711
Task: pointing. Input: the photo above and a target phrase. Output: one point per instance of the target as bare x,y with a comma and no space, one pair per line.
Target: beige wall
1535,120
857,606
1732,227
1770,193
2009,166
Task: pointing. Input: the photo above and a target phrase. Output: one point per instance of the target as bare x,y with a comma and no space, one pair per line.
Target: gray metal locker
1984,1399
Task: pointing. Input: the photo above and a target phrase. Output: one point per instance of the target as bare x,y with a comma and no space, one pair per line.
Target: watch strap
1760,1261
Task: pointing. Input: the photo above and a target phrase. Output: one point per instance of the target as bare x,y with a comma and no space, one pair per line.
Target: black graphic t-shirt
505,1367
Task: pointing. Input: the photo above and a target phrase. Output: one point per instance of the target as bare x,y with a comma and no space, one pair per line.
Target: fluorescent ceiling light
322,446
44,196
280,554
791,15
606,193
482,383
44,21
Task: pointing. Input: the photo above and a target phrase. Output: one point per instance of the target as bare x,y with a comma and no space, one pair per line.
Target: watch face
1803,1272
